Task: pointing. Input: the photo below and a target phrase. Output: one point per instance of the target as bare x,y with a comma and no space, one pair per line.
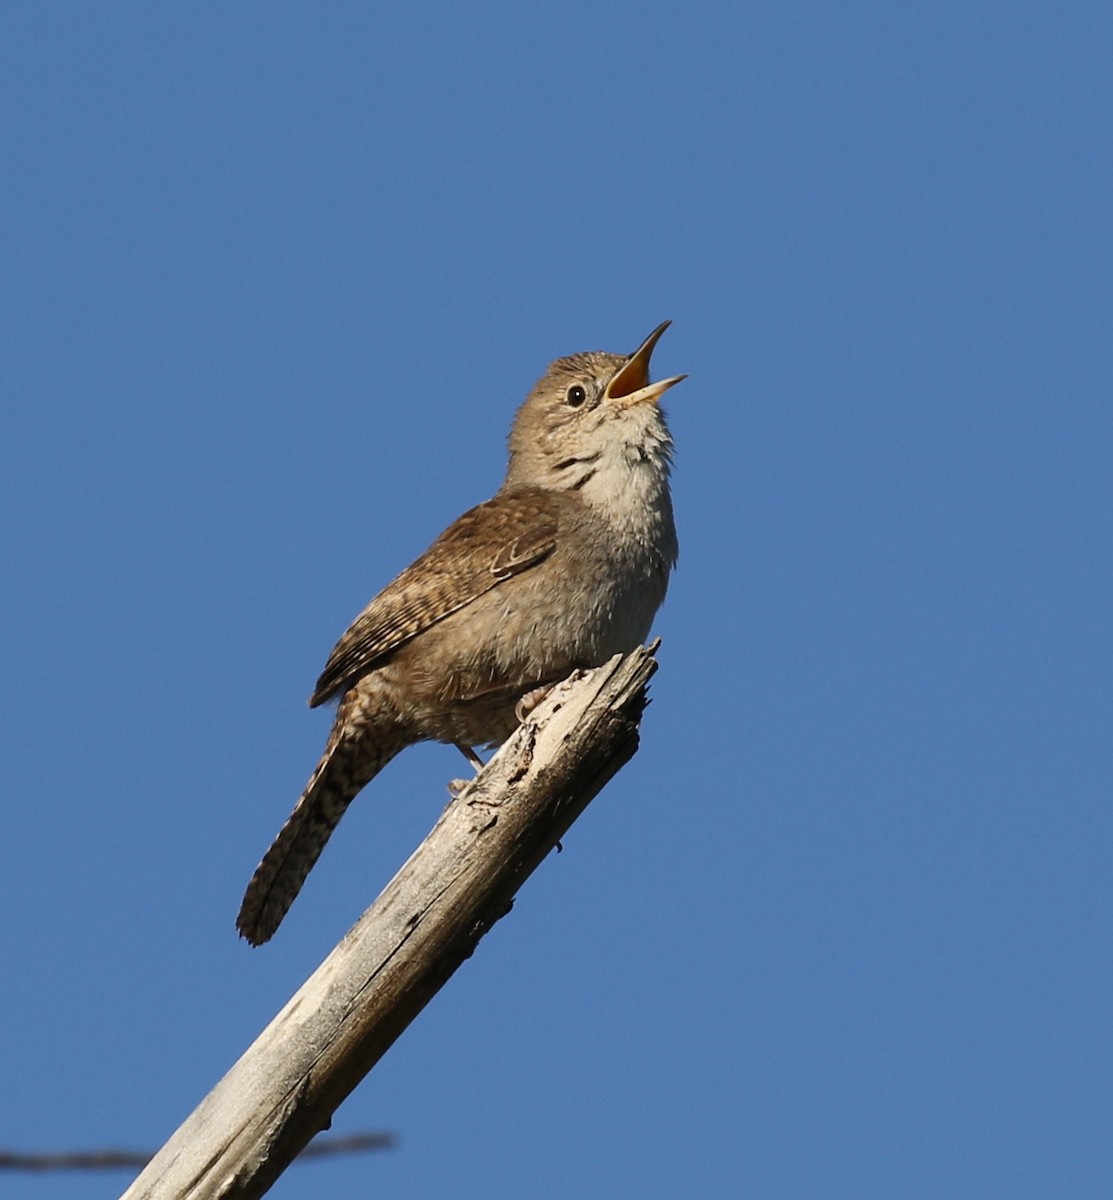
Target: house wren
563,568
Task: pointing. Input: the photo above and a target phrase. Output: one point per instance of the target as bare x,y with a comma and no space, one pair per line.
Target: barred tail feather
347,765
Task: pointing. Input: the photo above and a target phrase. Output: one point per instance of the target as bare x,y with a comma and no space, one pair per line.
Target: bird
564,567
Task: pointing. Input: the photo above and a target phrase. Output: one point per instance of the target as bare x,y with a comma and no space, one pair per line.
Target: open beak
630,383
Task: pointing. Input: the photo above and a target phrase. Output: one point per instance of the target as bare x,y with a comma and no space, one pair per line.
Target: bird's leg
469,753
456,786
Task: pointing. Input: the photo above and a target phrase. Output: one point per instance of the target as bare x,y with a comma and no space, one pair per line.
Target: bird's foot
530,701
457,786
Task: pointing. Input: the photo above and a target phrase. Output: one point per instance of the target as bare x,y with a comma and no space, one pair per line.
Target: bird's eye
575,396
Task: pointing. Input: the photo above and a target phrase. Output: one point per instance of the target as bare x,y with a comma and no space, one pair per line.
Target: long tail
349,762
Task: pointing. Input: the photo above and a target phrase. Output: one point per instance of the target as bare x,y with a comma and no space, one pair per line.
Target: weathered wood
455,886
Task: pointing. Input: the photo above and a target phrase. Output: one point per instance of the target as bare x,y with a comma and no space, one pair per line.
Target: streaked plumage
564,567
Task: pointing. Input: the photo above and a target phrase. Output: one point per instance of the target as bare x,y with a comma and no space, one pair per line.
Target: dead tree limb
115,1160
427,920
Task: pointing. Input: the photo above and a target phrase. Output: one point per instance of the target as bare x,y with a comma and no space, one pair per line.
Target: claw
530,701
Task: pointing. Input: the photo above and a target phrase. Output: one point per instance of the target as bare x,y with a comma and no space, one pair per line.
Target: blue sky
274,279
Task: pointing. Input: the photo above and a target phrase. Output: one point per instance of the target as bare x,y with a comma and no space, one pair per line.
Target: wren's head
593,423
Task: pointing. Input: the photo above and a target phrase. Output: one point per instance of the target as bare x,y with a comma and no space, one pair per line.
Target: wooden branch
114,1160
426,922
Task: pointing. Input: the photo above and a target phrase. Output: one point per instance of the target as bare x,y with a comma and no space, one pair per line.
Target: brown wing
466,561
